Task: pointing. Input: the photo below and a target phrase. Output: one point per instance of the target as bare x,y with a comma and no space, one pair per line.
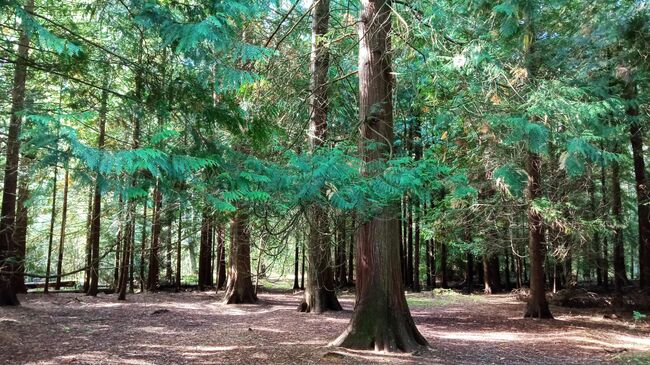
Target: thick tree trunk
620,277
20,232
153,279
64,218
51,234
381,319
320,295
537,306
239,289
8,211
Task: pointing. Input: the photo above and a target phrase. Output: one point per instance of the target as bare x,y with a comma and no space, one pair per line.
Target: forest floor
196,328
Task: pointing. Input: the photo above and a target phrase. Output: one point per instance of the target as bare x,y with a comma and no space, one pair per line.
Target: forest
325,182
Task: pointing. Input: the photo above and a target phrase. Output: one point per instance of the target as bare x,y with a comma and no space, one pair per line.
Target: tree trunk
409,243
302,269
89,219
51,234
153,280
20,232
416,252
641,185
64,217
143,243
296,263
351,254
319,292
95,223
8,212
381,319
469,272
444,283
221,245
126,252
205,254
239,289
179,240
620,277
537,306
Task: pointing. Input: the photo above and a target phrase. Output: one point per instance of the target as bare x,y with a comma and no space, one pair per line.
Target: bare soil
196,328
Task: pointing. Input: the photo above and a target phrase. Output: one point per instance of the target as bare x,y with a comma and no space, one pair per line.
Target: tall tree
10,183
319,292
381,319
64,219
239,289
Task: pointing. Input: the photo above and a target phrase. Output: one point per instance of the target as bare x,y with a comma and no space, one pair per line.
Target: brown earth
196,328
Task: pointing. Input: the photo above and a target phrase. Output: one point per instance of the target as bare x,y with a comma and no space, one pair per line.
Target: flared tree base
319,302
539,311
395,332
8,296
240,296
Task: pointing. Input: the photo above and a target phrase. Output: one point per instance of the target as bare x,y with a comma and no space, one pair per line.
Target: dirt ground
196,328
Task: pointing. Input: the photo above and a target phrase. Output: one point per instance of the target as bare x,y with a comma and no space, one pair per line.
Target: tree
319,292
8,247
381,318
239,289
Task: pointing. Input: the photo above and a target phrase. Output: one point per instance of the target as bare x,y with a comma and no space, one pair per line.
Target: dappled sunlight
482,337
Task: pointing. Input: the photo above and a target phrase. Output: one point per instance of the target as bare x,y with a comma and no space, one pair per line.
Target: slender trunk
221,243
427,262
239,289
507,270
381,319
444,283
153,280
351,254
296,263
537,306
302,269
487,279
469,273
64,218
409,243
118,244
89,219
143,244
126,253
179,240
51,234
620,278
204,253
641,185
416,252
95,223
8,212
342,256
132,251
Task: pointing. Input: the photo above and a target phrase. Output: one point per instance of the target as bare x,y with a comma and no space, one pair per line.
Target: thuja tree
381,319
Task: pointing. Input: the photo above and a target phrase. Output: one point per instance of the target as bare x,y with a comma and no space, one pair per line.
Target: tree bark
469,272
641,185
416,252
143,244
381,319
296,265
64,218
20,232
205,254
444,283
319,292
179,240
537,306
95,223
221,245
620,277
10,184
51,234
239,289
153,280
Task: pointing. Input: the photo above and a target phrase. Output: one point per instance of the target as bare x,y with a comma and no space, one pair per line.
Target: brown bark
64,218
296,263
381,319
143,244
641,185
20,232
126,253
205,253
537,306
153,279
469,272
409,243
604,259
51,234
89,218
10,183
351,254
416,253
319,291
620,277
95,223
179,240
239,289
444,283
221,246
